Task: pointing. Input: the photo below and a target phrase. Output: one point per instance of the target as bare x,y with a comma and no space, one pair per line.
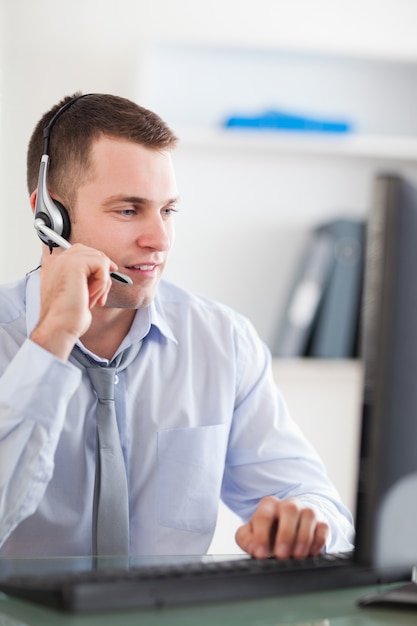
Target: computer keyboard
190,582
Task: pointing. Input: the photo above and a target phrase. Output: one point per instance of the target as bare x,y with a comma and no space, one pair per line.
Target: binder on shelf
304,299
335,331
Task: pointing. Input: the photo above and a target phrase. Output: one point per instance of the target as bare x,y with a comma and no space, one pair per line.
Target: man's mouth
144,267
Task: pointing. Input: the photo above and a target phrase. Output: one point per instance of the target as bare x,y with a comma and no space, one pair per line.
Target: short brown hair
73,133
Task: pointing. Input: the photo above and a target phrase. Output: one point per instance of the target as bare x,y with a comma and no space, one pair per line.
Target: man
198,414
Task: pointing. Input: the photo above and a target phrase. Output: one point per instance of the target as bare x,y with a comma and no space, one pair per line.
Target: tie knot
102,379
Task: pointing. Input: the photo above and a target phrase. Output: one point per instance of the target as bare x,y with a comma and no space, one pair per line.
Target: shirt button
116,379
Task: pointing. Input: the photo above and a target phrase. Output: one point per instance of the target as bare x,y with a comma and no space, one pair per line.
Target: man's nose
155,232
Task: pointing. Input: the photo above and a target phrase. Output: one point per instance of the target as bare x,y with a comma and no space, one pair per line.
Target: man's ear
33,198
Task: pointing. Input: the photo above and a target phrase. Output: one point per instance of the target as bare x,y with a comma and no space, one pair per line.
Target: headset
52,222
52,213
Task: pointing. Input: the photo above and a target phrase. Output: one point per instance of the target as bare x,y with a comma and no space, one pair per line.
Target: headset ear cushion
66,223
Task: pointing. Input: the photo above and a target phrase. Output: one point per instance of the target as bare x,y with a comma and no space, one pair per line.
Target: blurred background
250,198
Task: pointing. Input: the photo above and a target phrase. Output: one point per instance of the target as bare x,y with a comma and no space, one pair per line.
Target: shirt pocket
190,472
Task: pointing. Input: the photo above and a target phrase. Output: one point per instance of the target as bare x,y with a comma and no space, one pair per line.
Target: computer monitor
386,514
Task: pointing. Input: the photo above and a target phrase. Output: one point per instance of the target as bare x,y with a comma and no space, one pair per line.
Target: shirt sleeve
269,455
35,390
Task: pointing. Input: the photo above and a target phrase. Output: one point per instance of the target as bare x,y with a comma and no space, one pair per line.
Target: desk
335,608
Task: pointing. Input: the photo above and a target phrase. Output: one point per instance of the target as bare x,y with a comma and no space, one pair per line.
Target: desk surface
335,608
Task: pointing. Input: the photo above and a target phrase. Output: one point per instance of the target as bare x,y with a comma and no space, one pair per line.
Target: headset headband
47,130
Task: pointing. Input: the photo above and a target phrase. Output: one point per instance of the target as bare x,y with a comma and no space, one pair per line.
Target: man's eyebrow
138,200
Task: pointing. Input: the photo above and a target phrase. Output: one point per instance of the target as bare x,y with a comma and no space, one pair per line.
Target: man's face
126,210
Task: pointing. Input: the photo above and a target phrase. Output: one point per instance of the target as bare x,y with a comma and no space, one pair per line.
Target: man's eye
169,210
126,212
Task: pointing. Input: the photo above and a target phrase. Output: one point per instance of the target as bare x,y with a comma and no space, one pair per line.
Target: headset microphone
52,222
47,232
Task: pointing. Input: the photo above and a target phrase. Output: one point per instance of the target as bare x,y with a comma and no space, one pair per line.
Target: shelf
349,145
198,87
312,370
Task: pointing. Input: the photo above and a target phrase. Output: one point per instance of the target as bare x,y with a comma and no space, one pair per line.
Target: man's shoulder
175,301
172,294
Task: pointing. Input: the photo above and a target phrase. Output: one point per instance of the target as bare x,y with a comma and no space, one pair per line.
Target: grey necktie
111,497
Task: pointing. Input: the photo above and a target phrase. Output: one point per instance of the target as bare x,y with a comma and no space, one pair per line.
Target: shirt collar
144,319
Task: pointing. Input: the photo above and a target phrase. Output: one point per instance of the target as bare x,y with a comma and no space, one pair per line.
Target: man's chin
118,299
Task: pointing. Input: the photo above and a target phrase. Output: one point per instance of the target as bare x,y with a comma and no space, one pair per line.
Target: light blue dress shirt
199,418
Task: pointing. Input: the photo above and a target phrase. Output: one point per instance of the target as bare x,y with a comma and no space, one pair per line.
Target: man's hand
72,283
282,528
